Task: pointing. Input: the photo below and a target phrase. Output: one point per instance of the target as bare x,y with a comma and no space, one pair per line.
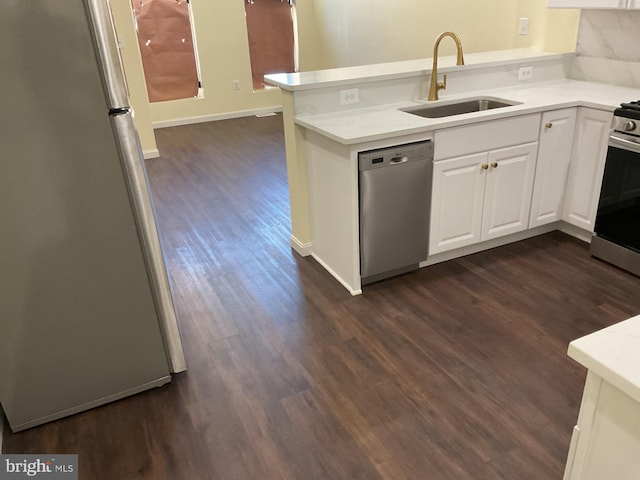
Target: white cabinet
587,167
482,181
457,200
552,167
507,199
481,196
592,4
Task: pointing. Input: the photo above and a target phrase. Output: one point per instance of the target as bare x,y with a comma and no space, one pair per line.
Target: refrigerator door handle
101,21
138,186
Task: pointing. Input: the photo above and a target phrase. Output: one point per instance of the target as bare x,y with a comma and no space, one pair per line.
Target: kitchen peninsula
606,439
332,115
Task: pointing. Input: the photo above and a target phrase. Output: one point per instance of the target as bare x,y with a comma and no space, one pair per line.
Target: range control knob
629,126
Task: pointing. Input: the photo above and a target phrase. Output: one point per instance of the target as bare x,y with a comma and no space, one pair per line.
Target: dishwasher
395,203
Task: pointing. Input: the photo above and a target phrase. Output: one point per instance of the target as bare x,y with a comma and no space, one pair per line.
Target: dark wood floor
457,371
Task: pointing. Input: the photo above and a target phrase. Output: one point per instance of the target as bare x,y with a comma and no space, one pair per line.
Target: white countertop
387,71
375,123
613,354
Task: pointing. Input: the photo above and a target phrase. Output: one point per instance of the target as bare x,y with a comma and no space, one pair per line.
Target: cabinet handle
485,166
494,164
549,125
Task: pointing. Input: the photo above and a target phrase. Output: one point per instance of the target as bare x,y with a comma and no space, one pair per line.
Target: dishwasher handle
399,159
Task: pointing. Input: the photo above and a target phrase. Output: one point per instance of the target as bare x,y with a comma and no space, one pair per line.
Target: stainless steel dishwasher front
395,201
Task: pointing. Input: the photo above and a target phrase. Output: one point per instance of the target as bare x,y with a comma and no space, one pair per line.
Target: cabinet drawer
485,136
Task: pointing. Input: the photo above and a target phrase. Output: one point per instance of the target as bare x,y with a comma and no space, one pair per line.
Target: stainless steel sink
468,105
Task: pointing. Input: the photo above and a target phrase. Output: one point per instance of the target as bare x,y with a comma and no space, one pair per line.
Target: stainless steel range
617,229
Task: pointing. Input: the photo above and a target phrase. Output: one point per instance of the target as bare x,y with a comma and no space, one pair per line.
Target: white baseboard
216,116
575,232
153,153
351,290
480,247
303,249
562,226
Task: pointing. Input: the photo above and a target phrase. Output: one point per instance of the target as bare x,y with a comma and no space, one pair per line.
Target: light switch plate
523,26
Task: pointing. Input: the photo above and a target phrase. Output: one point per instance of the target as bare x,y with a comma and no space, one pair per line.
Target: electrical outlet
236,84
350,96
523,26
525,73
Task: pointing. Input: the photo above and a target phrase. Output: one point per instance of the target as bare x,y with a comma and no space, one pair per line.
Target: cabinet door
456,202
634,5
507,200
599,4
587,167
552,166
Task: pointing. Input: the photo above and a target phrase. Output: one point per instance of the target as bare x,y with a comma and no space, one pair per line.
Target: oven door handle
623,143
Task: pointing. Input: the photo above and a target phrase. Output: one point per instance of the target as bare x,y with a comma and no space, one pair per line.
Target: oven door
617,227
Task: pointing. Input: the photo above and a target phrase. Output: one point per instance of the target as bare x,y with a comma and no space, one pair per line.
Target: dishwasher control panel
394,155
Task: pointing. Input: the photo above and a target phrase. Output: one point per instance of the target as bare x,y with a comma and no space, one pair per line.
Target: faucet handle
443,85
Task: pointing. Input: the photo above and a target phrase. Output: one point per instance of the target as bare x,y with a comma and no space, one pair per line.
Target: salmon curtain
166,47
271,39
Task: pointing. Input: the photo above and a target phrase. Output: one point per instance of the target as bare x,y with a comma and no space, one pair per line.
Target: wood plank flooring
456,371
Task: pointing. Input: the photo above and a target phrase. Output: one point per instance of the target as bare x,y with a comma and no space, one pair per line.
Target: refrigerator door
116,91
108,53
79,325
135,173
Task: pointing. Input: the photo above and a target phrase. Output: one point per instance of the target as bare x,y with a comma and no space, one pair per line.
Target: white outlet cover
525,73
349,96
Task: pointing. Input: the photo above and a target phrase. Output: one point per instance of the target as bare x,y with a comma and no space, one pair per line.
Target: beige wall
123,18
335,33
552,30
361,31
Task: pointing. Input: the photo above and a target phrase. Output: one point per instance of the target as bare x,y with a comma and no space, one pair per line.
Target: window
272,38
167,48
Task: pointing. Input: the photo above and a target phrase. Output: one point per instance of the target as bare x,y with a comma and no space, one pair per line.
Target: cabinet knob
494,164
485,166
549,125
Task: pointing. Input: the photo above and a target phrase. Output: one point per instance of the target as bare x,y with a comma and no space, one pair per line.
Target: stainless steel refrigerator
86,314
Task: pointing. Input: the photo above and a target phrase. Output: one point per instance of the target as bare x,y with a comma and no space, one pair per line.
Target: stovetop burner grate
628,110
631,105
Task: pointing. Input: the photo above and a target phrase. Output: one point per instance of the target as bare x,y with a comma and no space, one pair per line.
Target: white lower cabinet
507,199
481,196
552,167
587,167
457,200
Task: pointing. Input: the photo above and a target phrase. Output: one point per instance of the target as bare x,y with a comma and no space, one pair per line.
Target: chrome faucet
435,85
